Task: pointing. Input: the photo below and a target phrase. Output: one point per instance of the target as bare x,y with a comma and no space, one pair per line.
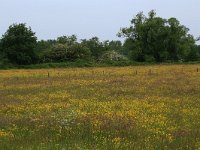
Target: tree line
148,39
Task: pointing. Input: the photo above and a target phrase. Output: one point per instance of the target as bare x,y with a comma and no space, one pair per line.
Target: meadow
140,107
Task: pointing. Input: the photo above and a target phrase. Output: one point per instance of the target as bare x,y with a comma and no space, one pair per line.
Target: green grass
101,108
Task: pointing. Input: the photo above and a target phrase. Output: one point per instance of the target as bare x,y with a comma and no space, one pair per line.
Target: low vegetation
149,107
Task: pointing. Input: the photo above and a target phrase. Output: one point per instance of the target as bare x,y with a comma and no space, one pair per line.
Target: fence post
149,72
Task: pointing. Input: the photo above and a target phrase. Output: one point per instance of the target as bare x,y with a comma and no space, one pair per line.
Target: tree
157,39
95,46
197,47
78,51
18,44
57,53
115,45
99,49
43,48
1,50
68,40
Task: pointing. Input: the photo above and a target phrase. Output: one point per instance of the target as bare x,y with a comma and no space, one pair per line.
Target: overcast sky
88,18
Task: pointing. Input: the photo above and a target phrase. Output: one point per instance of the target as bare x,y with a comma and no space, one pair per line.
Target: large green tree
18,44
157,39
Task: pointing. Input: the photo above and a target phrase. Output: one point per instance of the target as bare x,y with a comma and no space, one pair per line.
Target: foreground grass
155,107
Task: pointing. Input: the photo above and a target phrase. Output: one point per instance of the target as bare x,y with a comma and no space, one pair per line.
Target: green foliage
1,51
96,47
78,51
197,47
58,53
18,45
149,39
68,40
63,52
44,46
112,46
155,38
192,55
67,48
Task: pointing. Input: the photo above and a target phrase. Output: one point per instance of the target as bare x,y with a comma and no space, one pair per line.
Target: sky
89,18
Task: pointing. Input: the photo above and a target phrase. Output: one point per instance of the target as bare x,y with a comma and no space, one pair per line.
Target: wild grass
146,107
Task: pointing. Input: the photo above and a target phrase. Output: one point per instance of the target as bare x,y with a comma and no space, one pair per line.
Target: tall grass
141,107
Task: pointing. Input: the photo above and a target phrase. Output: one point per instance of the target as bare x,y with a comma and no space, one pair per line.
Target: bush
18,45
63,53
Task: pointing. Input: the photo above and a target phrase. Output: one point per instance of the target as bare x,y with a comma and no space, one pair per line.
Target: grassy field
147,107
